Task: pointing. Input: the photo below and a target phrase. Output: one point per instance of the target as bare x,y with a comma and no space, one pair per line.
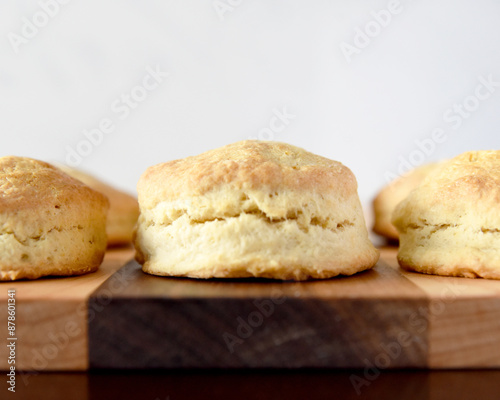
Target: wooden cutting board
383,318
51,317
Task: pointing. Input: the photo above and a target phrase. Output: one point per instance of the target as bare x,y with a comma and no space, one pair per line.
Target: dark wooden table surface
257,384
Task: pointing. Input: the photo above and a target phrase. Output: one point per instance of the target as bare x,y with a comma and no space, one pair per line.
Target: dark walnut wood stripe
375,319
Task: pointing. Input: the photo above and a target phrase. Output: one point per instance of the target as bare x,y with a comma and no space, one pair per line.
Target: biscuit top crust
474,175
465,189
246,165
27,184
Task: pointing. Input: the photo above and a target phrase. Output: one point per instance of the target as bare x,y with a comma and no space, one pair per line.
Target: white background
227,72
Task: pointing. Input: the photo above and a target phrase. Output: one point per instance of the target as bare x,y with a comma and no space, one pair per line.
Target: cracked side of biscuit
272,207
302,221
28,240
430,229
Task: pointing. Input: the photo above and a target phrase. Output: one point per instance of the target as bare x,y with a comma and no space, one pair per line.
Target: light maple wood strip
463,318
465,333
51,318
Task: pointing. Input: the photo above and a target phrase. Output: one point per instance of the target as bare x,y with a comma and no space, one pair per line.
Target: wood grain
51,318
463,318
159,322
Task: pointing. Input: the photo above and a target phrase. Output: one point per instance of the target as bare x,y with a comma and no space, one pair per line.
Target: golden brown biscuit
252,209
123,208
450,224
392,194
51,224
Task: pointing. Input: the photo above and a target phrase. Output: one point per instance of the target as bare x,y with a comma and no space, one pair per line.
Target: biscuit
392,194
450,224
252,209
123,208
50,223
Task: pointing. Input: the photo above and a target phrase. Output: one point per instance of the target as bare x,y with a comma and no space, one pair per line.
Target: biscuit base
249,245
451,251
73,251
